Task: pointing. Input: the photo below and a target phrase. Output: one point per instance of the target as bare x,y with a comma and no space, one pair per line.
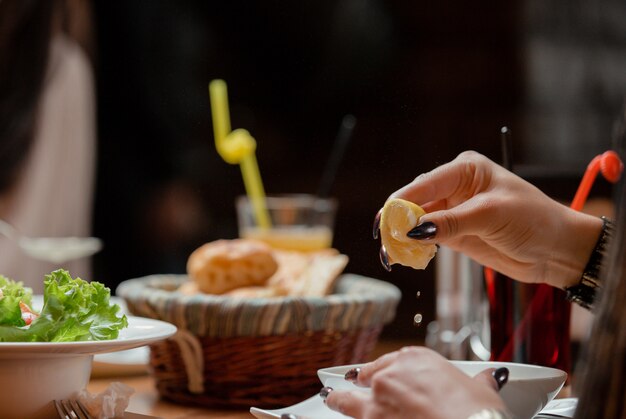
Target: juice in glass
305,239
298,222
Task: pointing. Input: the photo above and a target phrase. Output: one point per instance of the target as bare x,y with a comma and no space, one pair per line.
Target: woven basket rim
358,302
345,291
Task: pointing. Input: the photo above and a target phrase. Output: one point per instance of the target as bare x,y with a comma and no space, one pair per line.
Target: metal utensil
71,409
52,249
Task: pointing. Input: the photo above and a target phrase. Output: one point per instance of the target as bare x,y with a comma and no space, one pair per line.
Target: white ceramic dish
119,363
529,389
565,408
140,331
314,408
32,374
311,408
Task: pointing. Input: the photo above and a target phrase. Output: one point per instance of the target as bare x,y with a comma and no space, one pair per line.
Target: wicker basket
261,352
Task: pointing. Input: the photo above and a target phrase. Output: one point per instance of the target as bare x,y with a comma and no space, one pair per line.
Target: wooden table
146,399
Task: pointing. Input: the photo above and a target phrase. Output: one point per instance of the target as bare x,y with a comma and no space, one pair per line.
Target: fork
71,409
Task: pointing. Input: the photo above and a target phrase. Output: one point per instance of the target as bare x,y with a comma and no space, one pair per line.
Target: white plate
57,370
312,408
140,331
127,362
118,363
563,407
121,363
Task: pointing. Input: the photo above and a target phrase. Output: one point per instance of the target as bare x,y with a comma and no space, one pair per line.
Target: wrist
571,253
584,292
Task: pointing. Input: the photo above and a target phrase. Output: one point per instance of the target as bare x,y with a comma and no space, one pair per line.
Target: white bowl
529,389
29,384
34,374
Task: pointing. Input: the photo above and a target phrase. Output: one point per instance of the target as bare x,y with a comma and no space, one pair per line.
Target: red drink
529,322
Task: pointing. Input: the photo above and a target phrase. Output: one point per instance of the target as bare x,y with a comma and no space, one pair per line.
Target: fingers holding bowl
495,378
349,403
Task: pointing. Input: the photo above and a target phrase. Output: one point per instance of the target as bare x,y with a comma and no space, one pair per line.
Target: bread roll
223,265
311,274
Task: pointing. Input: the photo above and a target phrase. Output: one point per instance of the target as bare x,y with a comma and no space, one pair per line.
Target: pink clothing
54,193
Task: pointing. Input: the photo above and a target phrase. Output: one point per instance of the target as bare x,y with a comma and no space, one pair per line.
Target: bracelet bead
584,293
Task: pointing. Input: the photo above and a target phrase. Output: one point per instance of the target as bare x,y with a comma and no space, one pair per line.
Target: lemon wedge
397,218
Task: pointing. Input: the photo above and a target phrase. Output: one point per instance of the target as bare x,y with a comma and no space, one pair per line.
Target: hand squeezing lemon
397,217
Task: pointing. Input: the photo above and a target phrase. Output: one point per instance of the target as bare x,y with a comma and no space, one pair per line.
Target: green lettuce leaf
11,293
73,310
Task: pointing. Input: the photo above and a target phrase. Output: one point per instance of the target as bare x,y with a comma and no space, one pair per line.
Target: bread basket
261,352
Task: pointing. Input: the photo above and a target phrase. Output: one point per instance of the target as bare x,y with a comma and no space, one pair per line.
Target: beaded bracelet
584,293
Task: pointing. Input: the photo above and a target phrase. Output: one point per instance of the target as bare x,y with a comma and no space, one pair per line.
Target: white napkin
563,407
111,403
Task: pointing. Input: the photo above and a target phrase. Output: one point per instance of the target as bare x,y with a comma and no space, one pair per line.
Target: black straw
507,149
339,148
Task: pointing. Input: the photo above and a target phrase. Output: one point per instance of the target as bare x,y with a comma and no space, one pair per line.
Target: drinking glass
297,221
529,322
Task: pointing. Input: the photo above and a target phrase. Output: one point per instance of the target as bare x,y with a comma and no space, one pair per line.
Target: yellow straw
238,147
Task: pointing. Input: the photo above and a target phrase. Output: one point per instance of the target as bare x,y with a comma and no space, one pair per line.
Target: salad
73,310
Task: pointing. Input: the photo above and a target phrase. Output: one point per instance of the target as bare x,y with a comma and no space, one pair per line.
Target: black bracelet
584,293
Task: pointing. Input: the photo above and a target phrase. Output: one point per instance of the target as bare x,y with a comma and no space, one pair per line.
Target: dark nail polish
325,391
384,258
376,226
501,375
423,231
352,374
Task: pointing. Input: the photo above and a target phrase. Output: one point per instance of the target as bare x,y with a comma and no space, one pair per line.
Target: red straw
611,167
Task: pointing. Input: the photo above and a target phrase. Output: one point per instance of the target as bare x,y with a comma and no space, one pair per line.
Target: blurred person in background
47,130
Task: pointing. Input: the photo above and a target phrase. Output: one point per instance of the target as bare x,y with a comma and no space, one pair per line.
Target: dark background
425,80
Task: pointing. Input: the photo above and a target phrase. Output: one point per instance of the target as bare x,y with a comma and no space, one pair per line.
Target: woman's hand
477,207
417,382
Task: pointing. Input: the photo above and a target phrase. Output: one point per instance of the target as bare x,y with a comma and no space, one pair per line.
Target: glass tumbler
297,222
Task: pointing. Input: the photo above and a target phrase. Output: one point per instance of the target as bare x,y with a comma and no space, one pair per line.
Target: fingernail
384,258
426,230
376,226
501,375
352,374
324,392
